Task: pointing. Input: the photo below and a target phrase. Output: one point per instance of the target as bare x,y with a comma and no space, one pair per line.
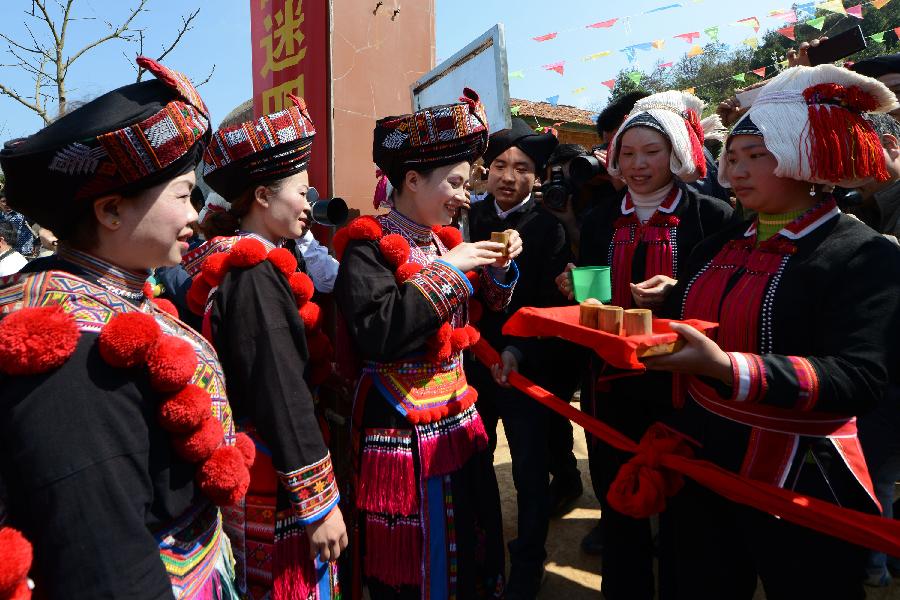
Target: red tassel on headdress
382,193
695,133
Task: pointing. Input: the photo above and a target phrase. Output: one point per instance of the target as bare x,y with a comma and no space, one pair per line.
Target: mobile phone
835,48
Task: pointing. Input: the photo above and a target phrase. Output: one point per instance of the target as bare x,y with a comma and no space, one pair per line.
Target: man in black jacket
540,441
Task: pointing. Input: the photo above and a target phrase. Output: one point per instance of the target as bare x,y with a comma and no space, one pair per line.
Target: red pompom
125,341
364,228
476,310
440,345
166,306
302,286
319,346
311,315
248,449
224,478
185,410
474,279
214,268
247,252
395,249
283,260
197,295
406,270
451,236
319,373
198,445
171,362
340,241
459,340
17,557
36,340
436,228
474,335
147,289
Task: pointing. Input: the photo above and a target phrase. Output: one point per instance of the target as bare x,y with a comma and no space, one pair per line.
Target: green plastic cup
591,282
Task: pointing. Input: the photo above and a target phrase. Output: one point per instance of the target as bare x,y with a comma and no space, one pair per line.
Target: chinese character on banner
289,45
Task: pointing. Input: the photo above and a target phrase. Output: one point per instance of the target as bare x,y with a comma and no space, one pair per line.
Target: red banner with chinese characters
290,56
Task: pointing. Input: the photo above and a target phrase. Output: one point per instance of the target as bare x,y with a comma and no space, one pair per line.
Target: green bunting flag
514,111
712,33
739,77
517,75
878,37
635,77
816,23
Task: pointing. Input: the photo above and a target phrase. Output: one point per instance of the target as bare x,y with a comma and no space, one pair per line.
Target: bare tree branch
114,35
12,94
185,27
208,77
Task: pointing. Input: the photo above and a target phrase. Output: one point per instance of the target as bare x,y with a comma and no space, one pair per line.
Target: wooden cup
589,313
501,237
609,319
638,321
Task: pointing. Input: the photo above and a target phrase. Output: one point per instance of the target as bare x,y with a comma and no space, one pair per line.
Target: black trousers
711,548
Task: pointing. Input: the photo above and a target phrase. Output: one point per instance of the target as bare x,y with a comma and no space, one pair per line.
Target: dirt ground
572,574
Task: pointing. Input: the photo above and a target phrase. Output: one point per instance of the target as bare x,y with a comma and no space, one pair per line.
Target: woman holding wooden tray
646,241
806,300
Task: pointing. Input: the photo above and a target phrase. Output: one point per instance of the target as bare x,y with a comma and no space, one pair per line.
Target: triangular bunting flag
897,32
662,8
788,32
546,37
760,72
517,75
878,37
610,83
635,77
855,11
688,37
788,16
750,22
752,41
579,90
553,100
514,111
602,24
879,4
835,6
712,33
540,128
695,50
666,65
596,55
559,67
739,77
629,52
689,90
804,11
784,64
816,23
658,44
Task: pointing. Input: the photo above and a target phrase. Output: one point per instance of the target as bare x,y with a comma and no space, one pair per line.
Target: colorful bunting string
751,22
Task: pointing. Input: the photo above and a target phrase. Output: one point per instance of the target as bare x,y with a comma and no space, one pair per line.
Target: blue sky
221,36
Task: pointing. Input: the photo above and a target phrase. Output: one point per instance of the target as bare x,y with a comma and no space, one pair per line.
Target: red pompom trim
395,249
319,347
17,557
166,306
459,340
197,295
245,444
36,340
311,315
214,268
199,445
406,270
302,287
365,228
247,252
474,279
451,236
171,362
474,335
476,310
340,241
283,260
185,410
440,345
224,478
125,341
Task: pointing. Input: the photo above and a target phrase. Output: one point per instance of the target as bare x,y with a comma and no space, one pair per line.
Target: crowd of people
162,351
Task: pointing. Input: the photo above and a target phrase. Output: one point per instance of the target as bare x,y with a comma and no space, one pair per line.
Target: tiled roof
560,113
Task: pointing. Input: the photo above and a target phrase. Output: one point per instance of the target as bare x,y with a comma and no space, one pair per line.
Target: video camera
582,169
331,212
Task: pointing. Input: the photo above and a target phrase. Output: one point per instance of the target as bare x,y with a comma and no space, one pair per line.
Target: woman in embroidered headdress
257,311
807,302
429,511
646,240
116,440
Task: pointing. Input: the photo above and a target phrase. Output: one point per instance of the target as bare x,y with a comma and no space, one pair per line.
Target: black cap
538,146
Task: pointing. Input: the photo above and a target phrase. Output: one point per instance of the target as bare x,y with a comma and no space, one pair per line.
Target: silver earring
812,190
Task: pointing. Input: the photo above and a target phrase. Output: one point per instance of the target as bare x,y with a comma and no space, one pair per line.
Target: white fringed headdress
677,116
214,203
811,120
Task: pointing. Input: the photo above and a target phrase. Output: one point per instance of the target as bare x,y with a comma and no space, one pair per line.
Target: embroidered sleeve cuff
807,383
444,286
496,295
749,377
313,490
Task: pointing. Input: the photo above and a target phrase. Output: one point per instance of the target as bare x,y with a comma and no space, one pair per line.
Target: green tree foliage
711,73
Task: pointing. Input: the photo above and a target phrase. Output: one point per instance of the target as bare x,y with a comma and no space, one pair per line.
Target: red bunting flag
688,37
750,22
546,37
760,71
855,11
897,32
559,67
788,32
611,83
666,65
602,24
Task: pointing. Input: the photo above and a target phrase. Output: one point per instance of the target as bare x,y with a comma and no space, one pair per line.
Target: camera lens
584,168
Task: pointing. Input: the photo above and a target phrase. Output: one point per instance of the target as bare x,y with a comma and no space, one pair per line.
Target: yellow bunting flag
752,41
658,44
596,55
579,90
879,4
695,50
835,6
689,90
